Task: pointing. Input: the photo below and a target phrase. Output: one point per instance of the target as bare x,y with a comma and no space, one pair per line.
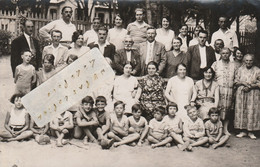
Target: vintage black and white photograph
145,83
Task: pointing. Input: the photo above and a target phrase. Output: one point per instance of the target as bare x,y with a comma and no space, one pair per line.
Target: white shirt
149,56
66,29
203,57
218,56
184,46
90,36
128,55
102,47
27,37
229,37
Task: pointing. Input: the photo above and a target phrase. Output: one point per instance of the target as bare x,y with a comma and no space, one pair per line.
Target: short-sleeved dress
123,89
24,76
213,128
205,97
42,76
138,126
181,91
117,37
172,62
152,94
225,74
172,123
247,107
165,38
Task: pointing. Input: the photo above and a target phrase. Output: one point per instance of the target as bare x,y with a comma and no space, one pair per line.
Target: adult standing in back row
138,28
64,25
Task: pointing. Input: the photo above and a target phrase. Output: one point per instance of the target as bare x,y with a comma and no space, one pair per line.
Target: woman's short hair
49,57
167,18
153,63
182,25
236,49
117,15
180,64
72,57
211,69
16,96
76,35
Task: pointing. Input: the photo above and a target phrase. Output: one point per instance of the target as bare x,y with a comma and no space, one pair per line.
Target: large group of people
168,88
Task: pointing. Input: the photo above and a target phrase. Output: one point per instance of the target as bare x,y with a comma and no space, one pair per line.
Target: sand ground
243,152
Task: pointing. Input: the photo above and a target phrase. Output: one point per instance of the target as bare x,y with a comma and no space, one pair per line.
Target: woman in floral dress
225,74
150,91
247,107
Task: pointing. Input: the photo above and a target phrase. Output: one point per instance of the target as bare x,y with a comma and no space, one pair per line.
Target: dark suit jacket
159,56
121,60
109,50
18,45
194,61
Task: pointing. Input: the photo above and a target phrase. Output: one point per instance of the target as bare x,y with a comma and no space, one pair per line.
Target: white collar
228,30
57,47
106,43
150,42
65,22
26,35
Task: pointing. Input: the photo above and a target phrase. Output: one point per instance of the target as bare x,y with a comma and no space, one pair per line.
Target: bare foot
168,145
214,146
132,144
85,140
64,142
189,148
116,144
58,143
139,144
153,145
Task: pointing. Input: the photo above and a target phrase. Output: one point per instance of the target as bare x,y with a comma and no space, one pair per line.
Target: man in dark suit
199,57
25,41
126,55
107,49
152,50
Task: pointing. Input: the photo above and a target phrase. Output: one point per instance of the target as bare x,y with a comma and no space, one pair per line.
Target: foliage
4,42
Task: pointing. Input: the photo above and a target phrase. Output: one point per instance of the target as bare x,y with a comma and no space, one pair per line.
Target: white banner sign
68,87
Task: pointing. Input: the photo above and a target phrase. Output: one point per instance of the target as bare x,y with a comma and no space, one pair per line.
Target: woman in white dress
77,47
181,90
165,35
117,34
125,87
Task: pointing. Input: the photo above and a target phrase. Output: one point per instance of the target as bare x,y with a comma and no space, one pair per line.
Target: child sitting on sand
103,118
39,133
214,129
158,132
61,125
175,126
194,129
138,127
16,121
86,120
119,123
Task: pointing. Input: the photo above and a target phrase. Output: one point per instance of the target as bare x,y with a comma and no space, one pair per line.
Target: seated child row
98,126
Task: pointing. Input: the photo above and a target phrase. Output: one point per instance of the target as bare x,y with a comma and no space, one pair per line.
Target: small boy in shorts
214,129
103,118
194,129
158,132
86,120
138,128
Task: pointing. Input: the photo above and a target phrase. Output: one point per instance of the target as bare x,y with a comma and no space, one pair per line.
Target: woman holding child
150,91
247,105
207,93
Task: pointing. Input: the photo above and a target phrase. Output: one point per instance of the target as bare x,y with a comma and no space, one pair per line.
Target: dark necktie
32,46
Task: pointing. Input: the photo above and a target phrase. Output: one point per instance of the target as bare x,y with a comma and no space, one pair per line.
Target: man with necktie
25,41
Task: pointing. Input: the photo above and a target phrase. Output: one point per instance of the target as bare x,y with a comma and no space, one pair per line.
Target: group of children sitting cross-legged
98,126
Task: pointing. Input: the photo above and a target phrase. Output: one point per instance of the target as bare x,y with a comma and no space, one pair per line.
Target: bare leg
226,123
177,138
130,138
90,135
77,132
163,142
200,142
152,139
5,134
111,135
60,136
222,140
24,135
